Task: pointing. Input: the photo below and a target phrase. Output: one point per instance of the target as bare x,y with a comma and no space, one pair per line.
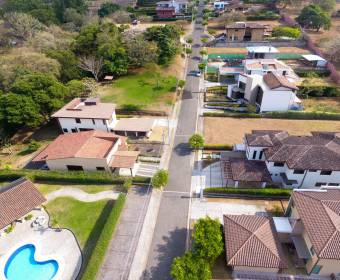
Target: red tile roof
86,144
252,241
124,159
17,199
274,81
320,214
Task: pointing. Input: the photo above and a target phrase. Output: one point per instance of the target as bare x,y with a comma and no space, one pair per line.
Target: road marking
183,135
179,192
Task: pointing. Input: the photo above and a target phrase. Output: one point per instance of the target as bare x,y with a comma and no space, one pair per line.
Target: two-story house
315,219
90,151
297,161
83,114
169,9
244,31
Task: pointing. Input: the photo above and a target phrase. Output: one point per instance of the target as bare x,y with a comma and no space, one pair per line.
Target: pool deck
60,245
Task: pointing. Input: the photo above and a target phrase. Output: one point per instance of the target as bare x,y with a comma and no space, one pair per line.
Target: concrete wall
255,269
278,100
257,34
233,35
88,164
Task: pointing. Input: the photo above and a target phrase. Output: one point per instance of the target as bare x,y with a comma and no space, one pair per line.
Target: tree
286,31
92,64
160,179
313,16
208,240
139,51
167,40
202,66
190,267
71,15
196,141
121,17
108,8
22,25
327,5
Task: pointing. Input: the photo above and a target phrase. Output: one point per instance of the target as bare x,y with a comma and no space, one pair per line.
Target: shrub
181,83
319,91
10,228
130,107
160,179
32,147
286,31
263,15
99,251
196,141
28,217
268,192
127,184
312,73
224,147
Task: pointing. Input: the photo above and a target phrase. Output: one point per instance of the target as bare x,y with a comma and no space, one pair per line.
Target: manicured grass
47,188
140,89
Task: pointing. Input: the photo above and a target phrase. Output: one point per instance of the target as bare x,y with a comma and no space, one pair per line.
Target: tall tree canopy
313,16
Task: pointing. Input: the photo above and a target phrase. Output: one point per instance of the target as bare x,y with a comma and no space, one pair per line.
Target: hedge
270,192
286,31
319,91
218,147
293,115
312,73
97,257
78,177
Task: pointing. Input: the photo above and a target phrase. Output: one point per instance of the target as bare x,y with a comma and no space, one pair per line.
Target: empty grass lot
322,104
232,130
147,90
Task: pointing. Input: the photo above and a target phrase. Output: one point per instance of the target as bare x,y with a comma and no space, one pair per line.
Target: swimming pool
22,266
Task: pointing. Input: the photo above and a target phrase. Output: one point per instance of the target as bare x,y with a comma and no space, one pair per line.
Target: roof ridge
328,242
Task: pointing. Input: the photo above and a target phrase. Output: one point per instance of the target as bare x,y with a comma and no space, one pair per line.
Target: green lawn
143,89
47,188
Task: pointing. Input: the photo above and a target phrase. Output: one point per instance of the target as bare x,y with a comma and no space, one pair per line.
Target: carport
134,127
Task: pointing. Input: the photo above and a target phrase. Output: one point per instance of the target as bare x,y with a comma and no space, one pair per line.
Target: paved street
170,234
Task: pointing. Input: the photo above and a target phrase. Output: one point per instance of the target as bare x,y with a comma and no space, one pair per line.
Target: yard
232,130
322,104
47,188
152,88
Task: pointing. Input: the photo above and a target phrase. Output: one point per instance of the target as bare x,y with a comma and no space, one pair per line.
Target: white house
91,151
297,161
262,52
220,5
179,5
83,114
271,92
315,60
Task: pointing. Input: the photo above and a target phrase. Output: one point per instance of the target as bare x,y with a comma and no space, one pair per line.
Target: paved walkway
120,253
81,195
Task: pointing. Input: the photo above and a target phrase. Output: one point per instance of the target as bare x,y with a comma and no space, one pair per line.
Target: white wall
251,151
276,101
88,164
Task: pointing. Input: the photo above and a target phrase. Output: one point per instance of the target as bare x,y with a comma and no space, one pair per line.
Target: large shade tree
313,16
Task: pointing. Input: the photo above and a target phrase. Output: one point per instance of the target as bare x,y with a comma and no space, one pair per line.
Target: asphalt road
170,234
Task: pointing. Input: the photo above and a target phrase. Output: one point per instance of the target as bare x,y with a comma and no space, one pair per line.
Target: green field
47,188
144,90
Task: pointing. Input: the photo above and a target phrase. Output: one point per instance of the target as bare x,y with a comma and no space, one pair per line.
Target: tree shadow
182,149
187,94
174,246
92,241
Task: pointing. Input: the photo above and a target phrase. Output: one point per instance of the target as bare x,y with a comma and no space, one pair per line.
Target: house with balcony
244,32
169,9
268,92
92,150
314,216
83,114
309,161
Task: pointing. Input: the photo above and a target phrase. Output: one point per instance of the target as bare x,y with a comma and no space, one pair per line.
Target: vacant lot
322,104
232,130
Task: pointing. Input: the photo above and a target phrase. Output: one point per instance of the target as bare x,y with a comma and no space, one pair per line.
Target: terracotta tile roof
85,144
90,108
265,64
264,138
252,241
242,25
17,199
320,214
274,81
134,124
239,169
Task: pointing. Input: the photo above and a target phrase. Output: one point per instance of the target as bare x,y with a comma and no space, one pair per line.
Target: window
312,170
312,250
261,154
326,172
104,123
319,184
78,120
100,168
298,171
279,164
284,73
333,184
254,154
93,121
65,130
75,167
74,130
316,269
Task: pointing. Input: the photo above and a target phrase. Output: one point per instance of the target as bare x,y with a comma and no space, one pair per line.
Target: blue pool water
22,266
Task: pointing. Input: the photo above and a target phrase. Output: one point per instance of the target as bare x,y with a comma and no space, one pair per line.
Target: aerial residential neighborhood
170,140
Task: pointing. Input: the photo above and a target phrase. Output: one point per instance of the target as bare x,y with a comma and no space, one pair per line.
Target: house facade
297,161
90,151
244,32
169,9
262,52
315,216
270,92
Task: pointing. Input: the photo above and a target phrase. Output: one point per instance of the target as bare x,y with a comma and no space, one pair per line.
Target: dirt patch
293,50
232,130
227,50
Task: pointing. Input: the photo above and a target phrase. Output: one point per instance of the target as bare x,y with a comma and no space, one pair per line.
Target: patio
58,244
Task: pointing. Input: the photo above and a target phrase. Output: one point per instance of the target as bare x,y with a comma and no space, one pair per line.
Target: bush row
319,91
78,177
98,253
286,31
294,115
270,192
218,147
310,73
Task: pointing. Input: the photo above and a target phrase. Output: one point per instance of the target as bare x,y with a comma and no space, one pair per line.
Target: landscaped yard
47,188
232,130
148,89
